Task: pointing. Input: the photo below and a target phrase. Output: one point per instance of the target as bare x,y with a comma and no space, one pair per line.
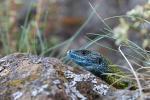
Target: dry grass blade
134,73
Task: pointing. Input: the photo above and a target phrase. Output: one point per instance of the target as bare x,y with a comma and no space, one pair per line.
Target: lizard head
90,60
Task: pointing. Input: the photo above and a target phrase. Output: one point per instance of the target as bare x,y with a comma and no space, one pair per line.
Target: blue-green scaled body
99,66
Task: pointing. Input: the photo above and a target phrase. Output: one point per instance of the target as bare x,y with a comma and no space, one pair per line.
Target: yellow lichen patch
15,83
19,82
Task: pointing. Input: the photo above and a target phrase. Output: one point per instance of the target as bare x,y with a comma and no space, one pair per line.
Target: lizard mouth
73,55
78,58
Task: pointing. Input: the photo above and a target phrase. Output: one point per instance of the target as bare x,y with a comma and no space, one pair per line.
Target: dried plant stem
134,73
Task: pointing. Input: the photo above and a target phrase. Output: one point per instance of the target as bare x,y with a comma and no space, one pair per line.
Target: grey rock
31,77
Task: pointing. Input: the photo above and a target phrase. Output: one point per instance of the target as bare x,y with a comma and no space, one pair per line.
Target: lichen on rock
31,77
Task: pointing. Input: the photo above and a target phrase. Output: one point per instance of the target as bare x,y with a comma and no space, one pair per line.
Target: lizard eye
98,60
85,52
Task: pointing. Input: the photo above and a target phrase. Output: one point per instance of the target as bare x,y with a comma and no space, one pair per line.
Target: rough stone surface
30,77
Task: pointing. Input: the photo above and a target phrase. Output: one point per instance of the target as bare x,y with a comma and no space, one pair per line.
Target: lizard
98,65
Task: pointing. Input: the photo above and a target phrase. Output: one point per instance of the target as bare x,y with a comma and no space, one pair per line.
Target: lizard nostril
68,52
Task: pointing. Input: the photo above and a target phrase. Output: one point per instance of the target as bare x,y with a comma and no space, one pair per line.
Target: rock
26,77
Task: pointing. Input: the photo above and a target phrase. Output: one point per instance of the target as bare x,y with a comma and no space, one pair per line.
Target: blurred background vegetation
51,27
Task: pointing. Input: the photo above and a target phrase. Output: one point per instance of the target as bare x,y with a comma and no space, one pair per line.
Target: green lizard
99,66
